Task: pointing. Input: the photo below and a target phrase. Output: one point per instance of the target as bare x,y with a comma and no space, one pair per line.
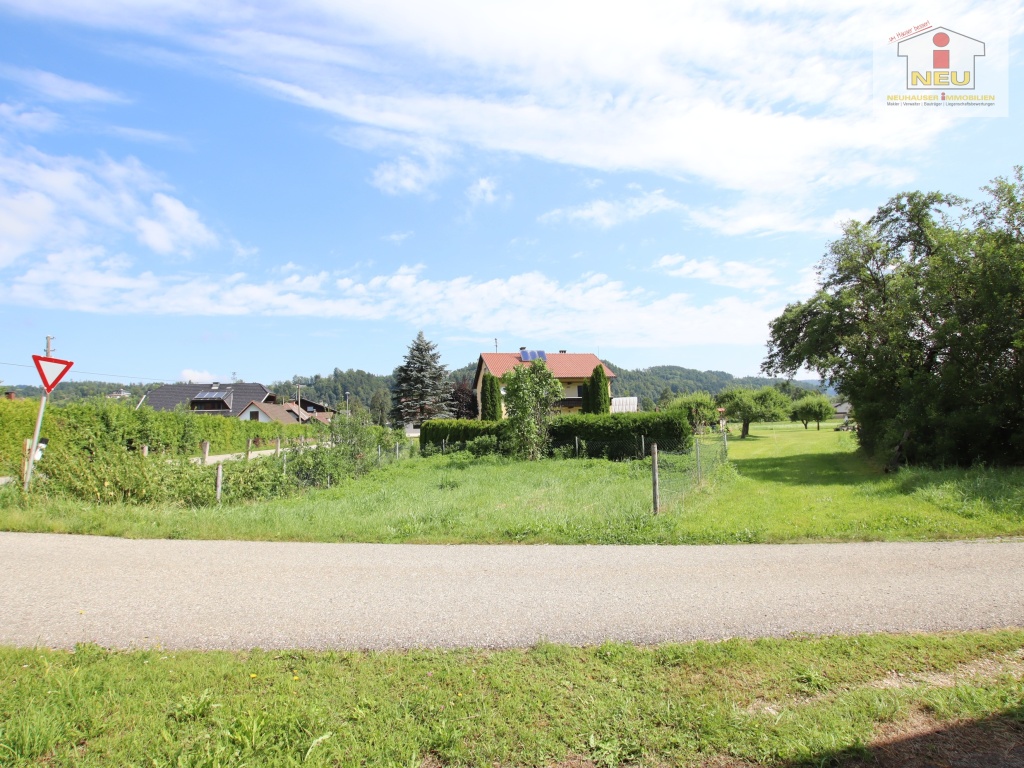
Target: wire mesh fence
681,472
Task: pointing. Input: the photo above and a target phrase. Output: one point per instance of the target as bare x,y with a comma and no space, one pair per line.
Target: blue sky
200,190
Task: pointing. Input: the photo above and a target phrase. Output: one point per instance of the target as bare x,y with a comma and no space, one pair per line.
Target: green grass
774,701
783,484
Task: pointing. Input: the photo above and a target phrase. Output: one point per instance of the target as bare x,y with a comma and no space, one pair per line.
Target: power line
123,377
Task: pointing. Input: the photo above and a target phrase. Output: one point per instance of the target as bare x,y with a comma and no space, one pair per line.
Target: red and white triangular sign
51,370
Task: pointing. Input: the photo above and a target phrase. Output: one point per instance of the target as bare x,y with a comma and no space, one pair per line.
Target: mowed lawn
782,484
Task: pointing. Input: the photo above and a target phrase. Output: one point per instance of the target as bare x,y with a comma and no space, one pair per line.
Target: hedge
458,431
622,435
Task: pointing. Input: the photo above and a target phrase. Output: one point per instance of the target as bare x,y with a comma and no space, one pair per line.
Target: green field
813,701
782,484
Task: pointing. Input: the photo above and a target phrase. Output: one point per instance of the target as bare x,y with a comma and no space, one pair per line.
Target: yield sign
51,370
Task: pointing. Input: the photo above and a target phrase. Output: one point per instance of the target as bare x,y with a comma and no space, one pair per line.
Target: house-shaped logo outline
955,38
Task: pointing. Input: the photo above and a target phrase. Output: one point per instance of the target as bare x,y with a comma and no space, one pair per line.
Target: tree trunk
746,429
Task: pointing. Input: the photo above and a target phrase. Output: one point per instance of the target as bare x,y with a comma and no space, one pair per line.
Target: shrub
483,445
622,435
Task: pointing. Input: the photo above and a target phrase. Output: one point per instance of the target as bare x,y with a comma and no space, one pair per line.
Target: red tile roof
564,365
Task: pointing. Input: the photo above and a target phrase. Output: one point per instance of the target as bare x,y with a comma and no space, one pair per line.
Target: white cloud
482,191
724,94
28,119
397,237
527,304
199,377
50,203
173,227
609,213
57,88
735,274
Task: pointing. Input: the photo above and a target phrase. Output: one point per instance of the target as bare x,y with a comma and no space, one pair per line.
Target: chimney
10,394
215,385
561,351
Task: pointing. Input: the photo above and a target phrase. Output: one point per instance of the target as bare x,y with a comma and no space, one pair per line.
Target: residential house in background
216,399
572,369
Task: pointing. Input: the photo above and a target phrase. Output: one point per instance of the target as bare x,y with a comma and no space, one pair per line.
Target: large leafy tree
700,409
463,400
816,408
920,323
531,392
422,389
749,405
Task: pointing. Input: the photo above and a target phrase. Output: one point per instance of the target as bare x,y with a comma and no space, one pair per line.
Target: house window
254,415
579,391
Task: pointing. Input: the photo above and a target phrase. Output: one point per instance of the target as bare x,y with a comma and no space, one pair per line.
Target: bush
458,431
483,445
622,435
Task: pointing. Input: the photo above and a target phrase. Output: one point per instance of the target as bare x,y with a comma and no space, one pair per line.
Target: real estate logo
941,59
927,67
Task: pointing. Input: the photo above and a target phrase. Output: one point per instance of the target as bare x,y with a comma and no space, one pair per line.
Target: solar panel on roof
527,355
211,396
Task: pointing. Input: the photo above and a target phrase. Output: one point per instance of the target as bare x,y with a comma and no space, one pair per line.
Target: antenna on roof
495,345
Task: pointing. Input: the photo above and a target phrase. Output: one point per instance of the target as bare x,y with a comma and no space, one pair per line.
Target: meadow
784,483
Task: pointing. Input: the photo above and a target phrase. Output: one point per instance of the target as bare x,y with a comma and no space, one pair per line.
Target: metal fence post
220,479
643,447
654,477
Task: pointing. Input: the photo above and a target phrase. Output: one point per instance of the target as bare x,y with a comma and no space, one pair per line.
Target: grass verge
783,484
780,702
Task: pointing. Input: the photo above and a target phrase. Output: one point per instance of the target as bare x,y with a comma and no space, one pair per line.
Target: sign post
51,371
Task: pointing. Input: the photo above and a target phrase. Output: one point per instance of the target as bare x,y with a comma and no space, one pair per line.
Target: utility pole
49,345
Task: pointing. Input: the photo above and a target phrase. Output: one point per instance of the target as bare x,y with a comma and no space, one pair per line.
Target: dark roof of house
170,396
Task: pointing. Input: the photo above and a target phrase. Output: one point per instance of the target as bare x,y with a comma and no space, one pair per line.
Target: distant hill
651,382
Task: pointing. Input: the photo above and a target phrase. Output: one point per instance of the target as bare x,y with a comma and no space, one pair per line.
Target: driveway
58,590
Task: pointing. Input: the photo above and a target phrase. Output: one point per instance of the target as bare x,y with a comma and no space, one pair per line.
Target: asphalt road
57,590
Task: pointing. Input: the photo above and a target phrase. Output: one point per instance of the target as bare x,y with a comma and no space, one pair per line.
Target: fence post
696,447
277,449
577,438
145,451
220,479
725,442
442,446
380,455
205,448
24,458
643,447
248,448
654,477
398,447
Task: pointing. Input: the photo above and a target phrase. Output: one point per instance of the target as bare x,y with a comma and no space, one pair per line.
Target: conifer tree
422,389
597,388
490,398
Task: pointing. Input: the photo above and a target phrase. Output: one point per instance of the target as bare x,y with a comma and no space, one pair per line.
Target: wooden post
398,448
205,448
643,446
654,477
145,451
248,448
380,452
220,479
696,448
577,439
277,449
24,458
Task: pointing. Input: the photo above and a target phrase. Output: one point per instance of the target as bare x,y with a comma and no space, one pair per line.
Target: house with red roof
572,369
